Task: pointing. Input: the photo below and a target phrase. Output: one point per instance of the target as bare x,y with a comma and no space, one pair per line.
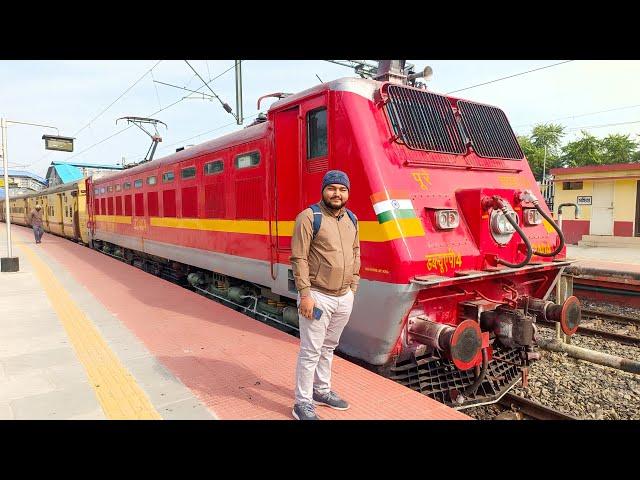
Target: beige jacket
329,263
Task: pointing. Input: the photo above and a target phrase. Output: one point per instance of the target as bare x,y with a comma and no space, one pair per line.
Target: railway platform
85,336
606,273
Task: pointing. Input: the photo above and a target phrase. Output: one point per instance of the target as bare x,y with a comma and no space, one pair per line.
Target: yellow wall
624,200
624,196
571,196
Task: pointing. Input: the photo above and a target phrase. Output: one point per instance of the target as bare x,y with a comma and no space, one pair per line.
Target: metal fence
547,187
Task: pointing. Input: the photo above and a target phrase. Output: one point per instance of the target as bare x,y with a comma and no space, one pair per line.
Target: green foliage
587,150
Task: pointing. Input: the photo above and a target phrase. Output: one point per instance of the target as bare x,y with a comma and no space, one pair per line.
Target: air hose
515,225
555,227
473,388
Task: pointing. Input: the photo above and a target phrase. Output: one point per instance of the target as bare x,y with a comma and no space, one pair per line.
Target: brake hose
514,224
555,227
473,388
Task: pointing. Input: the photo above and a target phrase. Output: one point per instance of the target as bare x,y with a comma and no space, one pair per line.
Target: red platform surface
238,367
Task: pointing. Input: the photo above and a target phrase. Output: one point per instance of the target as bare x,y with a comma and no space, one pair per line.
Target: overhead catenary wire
106,108
150,115
509,76
226,106
579,115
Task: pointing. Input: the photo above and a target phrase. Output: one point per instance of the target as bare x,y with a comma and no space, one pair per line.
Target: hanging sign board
63,144
583,200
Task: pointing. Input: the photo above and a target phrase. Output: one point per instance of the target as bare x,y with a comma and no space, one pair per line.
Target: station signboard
63,144
584,200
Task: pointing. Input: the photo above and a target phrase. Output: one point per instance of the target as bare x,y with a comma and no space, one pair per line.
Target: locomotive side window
126,185
213,167
247,160
317,145
151,180
167,177
137,184
189,172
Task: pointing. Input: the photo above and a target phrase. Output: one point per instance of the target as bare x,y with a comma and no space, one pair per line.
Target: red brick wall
574,230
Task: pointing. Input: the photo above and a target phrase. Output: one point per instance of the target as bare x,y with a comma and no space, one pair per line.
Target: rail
532,409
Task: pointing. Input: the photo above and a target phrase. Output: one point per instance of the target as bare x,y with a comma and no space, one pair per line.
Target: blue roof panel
68,173
23,173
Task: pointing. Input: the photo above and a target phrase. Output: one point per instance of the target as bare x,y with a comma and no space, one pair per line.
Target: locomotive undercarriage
428,371
438,378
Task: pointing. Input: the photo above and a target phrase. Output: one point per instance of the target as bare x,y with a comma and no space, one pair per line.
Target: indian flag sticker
392,205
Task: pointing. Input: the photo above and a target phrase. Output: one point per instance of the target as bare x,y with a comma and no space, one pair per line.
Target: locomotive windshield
425,121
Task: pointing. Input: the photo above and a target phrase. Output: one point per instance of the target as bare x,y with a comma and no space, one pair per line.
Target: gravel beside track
577,387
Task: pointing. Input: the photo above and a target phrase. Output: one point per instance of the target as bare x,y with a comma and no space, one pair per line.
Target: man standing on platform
325,257
35,220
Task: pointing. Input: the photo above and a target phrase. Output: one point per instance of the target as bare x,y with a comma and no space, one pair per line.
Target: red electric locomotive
459,253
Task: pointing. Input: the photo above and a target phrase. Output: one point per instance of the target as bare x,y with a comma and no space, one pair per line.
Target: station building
609,199
21,182
64,172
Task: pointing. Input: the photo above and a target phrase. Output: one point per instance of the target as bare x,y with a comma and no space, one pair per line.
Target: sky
72,95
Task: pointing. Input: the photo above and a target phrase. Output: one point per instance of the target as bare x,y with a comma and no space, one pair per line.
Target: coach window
118,187
317,133
247,160
137,183
102,190
213,167
189,172
110,188
167,177
126,185
151,180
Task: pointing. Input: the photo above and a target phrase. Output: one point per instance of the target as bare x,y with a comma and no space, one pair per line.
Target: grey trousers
318,340
38,232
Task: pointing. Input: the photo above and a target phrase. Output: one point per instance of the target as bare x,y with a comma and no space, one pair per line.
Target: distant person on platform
35,220
325,257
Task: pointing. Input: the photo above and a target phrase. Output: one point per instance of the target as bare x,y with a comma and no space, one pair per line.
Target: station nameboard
584,200
63,144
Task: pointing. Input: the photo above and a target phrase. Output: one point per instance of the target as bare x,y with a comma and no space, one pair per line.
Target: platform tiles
155,349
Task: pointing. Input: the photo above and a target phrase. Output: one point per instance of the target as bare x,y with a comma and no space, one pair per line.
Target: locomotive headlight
447,219
531,216
501,228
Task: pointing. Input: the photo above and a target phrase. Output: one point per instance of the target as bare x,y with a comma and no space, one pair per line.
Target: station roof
67,173
23,173
616,167
89,165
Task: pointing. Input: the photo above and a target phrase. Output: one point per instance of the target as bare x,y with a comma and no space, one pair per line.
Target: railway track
594,332
612,317
532,409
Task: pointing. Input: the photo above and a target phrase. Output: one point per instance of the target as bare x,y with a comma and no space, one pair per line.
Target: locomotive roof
235,138
360,86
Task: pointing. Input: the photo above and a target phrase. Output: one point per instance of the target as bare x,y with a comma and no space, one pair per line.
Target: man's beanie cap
335,176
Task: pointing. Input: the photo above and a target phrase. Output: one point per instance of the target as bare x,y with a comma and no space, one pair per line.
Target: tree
534,147
549,135
619,148
588,150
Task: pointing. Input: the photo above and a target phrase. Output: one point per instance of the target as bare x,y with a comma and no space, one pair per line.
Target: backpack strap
353,218
317,218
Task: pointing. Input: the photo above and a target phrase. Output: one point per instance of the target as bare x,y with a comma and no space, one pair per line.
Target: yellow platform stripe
120,397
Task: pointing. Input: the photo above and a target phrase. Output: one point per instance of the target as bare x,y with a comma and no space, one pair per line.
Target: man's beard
332,207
